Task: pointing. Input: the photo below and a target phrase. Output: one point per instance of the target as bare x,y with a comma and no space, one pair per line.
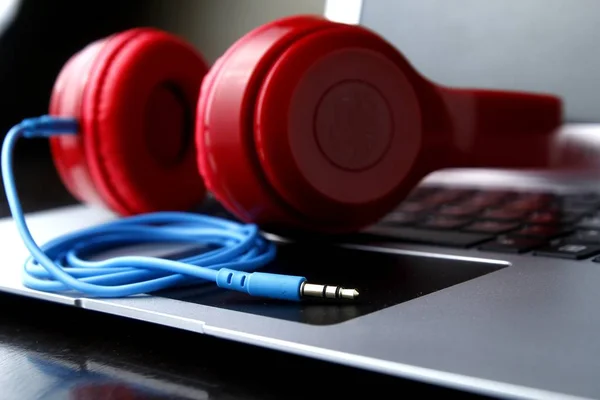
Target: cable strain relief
275,286
48,125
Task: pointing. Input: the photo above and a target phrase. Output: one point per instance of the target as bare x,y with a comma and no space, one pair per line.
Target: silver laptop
484,281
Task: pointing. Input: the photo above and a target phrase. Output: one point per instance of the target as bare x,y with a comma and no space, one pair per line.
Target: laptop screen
546,46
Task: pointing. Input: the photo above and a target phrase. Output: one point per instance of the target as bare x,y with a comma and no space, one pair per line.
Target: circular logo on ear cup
353,125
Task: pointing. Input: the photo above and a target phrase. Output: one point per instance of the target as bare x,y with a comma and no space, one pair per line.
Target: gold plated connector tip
327,292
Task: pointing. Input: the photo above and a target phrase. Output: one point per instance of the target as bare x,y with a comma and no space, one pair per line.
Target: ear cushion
227,157
68,150
135,101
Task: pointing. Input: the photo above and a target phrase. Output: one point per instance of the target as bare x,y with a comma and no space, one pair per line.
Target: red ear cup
306,123
134,94
305,135
338,127
227,157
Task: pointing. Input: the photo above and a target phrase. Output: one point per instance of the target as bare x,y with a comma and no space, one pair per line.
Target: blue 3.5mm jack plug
275,286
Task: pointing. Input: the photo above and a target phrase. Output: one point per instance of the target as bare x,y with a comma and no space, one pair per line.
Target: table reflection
94,379
50,351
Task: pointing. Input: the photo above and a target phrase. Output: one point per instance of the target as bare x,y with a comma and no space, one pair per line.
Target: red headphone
302,123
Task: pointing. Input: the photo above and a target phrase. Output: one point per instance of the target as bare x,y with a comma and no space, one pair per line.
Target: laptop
485,281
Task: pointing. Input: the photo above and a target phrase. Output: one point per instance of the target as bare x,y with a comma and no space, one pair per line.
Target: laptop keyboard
539,224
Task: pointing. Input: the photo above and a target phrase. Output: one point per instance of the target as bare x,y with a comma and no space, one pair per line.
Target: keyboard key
499,194
537,197
460,210
546,231
401,218
422,192
525,205
580,208
554,218
591,222
491,226
440,222
545,217
504,214
446,196
583,202
513,244
412,207
591,201
426,236
591,236
569,218
571,251
486,199
582,197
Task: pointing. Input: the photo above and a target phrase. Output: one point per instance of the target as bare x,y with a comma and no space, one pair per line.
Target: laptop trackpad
383,280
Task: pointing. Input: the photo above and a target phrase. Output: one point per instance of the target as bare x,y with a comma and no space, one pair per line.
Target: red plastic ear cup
338,127
226,156
271,142
134,94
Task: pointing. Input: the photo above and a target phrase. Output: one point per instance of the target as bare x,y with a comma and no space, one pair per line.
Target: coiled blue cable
61,265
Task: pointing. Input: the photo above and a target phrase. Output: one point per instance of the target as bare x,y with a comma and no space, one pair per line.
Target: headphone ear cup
134,94
339,128
320,130
227,158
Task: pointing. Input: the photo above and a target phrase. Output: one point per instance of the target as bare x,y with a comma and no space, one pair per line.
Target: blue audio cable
61,264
